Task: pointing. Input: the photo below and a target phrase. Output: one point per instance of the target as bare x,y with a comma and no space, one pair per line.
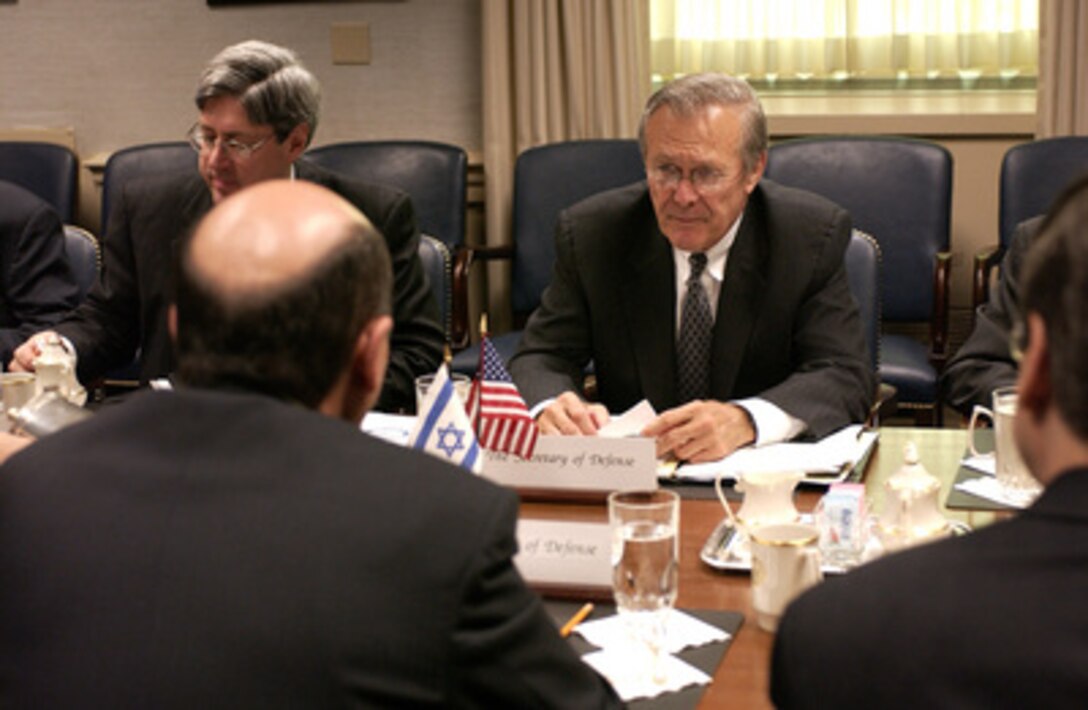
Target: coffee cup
1009,467
785,562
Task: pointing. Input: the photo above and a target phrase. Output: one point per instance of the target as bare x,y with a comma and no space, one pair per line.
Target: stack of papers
829,460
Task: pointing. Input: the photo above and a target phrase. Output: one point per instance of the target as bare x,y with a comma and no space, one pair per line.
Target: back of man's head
276,287
1055,286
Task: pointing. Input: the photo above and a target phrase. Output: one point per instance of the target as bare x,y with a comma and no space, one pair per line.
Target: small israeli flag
442,427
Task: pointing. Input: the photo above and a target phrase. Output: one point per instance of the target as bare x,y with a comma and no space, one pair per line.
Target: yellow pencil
579,617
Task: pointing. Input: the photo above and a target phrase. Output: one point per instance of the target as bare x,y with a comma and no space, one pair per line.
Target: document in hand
827,461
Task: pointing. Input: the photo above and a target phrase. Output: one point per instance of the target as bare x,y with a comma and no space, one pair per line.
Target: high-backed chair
900,191
82,250
1032,176
141,162
438,268
548,179
435,176
863,273
46,169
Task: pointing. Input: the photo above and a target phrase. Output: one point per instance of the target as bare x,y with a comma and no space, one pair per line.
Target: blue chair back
81,248
547,180
143,161
1034,174
897,189
438,268
863,273
46,169
433,174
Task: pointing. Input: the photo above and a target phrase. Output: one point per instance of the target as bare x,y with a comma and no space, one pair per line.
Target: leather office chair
1032,176
141,162
83,254
900,191
863,273
46,169
137,163
438,267
435,176
547,180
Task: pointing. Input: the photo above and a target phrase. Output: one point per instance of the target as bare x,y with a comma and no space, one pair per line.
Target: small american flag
497,411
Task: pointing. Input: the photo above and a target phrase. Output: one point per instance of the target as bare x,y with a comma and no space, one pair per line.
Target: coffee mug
785,562
1009,468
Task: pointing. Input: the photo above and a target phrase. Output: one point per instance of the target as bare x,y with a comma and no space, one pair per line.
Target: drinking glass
645,559
1011,471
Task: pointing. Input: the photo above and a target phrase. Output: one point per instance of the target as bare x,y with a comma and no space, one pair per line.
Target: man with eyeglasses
258,112
763,344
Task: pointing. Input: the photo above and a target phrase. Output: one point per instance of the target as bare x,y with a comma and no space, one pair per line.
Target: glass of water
645,560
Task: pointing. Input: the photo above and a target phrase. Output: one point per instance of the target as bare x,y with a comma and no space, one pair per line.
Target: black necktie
693,345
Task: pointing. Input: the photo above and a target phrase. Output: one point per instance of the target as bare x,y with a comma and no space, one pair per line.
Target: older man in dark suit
258,112
720,298
238,542
994,619
37,285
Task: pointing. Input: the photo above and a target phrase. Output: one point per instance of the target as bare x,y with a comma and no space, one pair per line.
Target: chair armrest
464,258
938,322
985,261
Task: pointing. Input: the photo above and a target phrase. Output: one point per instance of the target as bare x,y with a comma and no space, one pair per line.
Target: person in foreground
983,363
995,618
238,542
258,111
37,285
773,347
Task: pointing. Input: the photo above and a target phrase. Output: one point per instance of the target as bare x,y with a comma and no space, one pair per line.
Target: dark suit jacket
37,285
984,362
126,309
201,549
786,329
995,619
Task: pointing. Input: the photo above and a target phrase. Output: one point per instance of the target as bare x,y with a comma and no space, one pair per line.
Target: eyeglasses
703,180
233,147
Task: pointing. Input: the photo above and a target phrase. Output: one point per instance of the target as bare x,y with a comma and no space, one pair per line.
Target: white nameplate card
560,553
577,464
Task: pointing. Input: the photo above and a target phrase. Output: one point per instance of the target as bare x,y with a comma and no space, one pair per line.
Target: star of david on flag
443,428
497,411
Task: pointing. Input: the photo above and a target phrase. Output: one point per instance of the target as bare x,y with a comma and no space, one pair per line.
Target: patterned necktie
693,345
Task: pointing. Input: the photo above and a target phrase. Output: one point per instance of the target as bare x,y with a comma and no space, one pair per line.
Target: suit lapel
651,315
738,306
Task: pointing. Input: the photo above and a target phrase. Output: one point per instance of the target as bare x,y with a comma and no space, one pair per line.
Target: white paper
986,463
681,631
990,489
395,428
834,454
625,670
631,422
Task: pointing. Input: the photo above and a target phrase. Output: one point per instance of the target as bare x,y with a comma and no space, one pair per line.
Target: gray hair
688,94
270,82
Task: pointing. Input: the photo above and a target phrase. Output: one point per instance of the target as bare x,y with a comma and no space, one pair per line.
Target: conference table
742,678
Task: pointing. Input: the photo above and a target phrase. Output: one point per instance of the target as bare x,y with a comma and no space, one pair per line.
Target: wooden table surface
742,679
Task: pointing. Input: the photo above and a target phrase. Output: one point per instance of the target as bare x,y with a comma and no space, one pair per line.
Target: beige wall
121,72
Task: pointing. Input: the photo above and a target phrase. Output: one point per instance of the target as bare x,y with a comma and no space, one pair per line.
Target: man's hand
569,415
10,443
701,431
24,356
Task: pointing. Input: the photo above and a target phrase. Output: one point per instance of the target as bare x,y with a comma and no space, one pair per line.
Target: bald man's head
276,285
